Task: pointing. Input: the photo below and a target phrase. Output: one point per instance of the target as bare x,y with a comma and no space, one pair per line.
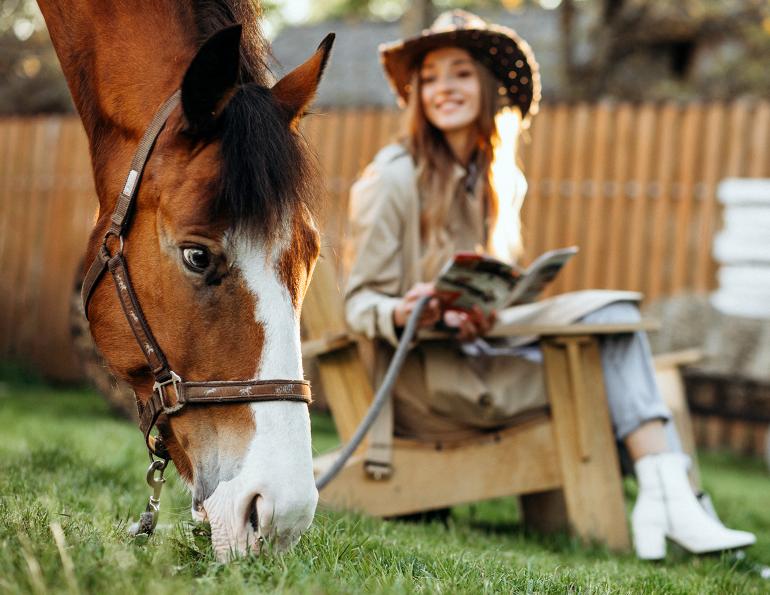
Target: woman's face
450,89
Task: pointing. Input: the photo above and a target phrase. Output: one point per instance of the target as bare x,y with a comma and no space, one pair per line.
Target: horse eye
196,259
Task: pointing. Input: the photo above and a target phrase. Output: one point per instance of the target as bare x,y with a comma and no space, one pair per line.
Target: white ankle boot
666,507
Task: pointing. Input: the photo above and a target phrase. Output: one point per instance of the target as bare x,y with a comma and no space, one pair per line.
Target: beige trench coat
441,393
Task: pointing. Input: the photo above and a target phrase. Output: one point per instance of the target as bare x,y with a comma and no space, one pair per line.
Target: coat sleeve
377,226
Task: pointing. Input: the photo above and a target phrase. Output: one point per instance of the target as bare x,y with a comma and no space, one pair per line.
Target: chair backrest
344,376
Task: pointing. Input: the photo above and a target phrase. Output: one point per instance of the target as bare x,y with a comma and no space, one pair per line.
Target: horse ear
296,90
210,79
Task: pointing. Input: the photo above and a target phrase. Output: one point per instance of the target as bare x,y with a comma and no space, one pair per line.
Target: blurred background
651,152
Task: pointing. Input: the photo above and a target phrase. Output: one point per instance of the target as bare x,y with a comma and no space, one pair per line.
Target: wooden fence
633,185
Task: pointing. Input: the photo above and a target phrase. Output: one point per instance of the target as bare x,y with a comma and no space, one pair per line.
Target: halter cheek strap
120,219
170,394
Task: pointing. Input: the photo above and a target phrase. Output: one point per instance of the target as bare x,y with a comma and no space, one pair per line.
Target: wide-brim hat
499,48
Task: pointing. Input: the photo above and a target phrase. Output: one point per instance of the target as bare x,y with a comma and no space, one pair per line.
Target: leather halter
170,393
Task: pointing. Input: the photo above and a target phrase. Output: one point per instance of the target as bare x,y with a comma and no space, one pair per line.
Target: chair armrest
556,330
545,330
328,344
676,359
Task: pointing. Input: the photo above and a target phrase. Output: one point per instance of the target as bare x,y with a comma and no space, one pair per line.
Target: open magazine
471,279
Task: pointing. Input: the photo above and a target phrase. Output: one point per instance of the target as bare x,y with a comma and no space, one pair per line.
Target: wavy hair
434,162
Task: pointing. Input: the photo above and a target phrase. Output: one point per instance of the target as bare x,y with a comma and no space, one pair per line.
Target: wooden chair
562,463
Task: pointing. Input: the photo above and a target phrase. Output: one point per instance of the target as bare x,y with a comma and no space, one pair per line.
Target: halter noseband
169,393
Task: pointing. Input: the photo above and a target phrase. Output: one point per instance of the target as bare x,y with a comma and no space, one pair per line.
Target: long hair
434,162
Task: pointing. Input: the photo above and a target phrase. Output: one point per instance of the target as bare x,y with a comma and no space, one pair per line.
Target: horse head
220,250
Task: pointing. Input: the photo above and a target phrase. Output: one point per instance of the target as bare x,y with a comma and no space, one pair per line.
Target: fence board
634,185
51,310
17,256
737,135
579,164
616,228
711,174
643,161
370,127
26,278
759,155
554,180
683,230
595,225
661,196
8,142
531,217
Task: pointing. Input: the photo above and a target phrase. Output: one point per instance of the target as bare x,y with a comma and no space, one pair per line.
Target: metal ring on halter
158,455
116,234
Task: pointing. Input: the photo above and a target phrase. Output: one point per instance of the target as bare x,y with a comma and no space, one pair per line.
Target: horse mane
213,15
267,168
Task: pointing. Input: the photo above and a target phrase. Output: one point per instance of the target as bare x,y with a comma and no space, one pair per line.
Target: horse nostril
254,515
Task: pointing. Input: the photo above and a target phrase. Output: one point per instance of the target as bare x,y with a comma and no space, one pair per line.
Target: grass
70,471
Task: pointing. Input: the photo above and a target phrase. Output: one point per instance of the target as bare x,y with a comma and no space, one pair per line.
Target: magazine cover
471,279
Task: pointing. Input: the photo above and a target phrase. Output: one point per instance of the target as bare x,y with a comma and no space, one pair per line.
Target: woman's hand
431,314
470,325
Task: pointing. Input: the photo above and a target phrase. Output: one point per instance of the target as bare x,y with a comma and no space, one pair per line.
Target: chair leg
584,439
544,512
670,383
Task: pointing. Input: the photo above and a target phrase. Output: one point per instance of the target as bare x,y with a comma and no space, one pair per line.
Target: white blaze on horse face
276,473
282,352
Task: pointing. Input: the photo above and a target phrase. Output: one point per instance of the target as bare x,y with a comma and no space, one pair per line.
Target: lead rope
383,394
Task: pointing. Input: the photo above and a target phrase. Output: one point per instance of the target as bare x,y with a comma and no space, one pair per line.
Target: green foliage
358,9
65,462
12,373
32,81
29,70
669,49
392,9
628,58
744,72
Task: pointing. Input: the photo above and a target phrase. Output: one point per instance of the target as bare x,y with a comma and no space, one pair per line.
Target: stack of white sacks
742,249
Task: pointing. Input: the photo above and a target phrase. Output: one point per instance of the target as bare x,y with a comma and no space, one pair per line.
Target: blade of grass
66,561
33,566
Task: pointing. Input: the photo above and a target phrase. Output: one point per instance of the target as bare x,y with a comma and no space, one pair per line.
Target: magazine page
539,274
471,279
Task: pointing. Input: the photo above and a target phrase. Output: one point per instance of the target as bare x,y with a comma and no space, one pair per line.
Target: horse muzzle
272,499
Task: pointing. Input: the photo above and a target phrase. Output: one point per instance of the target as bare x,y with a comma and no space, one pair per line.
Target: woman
432,195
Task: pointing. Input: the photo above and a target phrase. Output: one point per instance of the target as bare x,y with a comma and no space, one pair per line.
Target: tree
29,68
32,81
650,48
421,11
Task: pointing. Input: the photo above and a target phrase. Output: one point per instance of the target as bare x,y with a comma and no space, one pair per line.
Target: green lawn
65,461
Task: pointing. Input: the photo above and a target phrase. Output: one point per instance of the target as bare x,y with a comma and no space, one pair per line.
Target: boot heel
650,543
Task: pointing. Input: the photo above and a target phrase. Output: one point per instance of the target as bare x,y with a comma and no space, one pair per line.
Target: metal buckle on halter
159,387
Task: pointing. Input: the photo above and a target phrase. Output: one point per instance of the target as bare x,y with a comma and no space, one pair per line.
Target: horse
217,245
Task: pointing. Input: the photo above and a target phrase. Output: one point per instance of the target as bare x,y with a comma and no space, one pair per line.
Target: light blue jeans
629,374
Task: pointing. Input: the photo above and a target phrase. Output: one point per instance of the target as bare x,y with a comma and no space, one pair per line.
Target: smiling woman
452,185
209,238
